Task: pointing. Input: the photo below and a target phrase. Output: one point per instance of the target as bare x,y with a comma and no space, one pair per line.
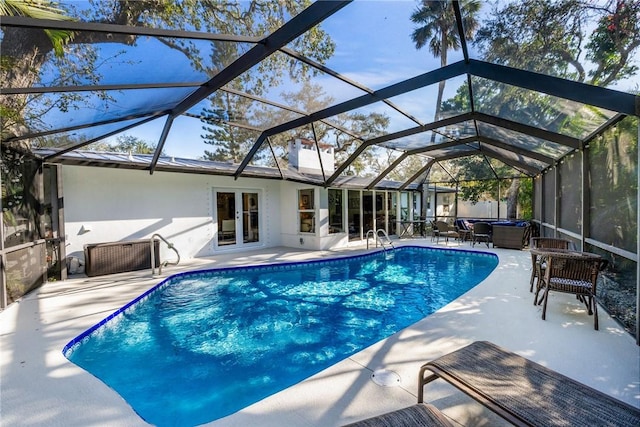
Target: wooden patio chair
573,273
537,267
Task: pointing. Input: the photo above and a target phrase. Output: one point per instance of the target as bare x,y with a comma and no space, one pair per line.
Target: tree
132,144
549,37
437,29
40,10
308,97
26,53
12,119
223,128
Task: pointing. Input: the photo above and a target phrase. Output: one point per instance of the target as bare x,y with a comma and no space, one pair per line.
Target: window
306,211
336,219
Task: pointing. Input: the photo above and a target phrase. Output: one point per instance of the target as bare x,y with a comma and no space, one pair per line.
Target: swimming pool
203,345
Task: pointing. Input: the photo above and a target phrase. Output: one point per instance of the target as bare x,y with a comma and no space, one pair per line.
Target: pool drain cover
385,378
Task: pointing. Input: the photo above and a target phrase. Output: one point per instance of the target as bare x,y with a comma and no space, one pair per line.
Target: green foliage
132,144
40,9
474,191
437,29
82,63
549,37
614,183
125,144
234,123
525,199
365,126
437,25
226,127
616,36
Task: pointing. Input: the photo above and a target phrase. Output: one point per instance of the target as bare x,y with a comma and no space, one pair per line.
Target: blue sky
373,47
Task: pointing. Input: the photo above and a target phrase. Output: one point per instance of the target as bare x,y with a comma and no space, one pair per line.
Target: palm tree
437,29
40,10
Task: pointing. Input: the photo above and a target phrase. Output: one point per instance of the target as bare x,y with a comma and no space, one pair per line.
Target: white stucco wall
120,204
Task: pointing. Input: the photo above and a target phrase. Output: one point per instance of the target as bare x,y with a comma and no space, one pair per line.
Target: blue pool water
203,345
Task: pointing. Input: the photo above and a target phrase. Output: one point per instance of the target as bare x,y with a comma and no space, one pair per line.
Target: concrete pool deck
40,387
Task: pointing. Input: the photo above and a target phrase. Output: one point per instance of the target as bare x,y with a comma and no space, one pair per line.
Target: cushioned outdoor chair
481,233
574,273
537,266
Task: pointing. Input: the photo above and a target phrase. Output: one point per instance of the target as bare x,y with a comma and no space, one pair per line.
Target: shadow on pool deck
39,387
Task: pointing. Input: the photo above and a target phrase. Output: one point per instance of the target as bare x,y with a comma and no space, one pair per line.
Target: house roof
207,167
253,88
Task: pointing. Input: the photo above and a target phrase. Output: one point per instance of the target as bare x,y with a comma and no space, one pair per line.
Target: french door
237,214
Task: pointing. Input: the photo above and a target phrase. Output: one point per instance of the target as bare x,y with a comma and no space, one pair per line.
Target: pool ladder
381,237
153,254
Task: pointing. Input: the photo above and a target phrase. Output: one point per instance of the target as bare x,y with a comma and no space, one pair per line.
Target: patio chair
434,230
228,230
518,390
574,273
481,233
464,230
523,392
422,414
537,266
446,231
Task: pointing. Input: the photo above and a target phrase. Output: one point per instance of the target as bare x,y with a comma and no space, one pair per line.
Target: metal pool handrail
153,255
379,234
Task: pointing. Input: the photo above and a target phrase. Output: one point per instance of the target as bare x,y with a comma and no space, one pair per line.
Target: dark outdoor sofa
507,234
510,234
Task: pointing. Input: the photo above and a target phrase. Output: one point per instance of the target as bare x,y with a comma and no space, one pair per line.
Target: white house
203,214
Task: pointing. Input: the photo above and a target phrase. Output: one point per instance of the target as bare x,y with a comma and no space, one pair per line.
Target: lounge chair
537,266
464,230
421,414
520,391
523,392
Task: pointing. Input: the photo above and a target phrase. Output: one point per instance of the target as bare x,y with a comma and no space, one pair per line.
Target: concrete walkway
40,387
